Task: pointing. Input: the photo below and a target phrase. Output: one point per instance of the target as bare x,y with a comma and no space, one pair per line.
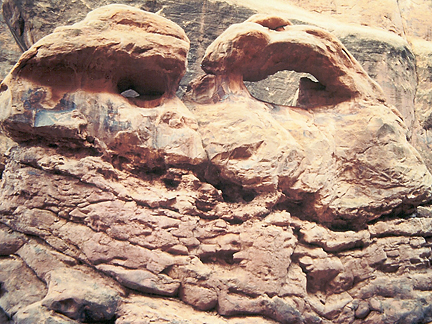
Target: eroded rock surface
72,80
221,208
345,152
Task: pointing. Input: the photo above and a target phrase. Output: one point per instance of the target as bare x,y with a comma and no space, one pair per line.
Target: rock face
344,170
72,79
227,208
381,36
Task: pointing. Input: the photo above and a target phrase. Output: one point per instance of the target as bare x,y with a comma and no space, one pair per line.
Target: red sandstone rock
66,89
96,220
257,48
344,157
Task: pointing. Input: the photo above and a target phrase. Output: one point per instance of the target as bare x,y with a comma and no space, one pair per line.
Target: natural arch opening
280,88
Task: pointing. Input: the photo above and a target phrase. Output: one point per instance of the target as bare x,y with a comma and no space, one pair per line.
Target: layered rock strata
121,203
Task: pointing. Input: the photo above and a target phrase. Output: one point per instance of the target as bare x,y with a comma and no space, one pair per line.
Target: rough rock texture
423,135
104,66
383,47
123,204
71,57
343,157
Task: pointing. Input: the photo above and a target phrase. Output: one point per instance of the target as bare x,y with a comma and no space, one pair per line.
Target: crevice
128,89
231,192
219,257
397,213
402,18
7,11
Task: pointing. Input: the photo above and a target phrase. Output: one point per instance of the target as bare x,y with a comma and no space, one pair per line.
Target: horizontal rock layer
116,234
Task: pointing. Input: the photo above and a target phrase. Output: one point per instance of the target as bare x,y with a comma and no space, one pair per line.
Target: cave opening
131,89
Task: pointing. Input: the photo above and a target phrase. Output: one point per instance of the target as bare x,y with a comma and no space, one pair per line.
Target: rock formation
348,169
73,79
121,203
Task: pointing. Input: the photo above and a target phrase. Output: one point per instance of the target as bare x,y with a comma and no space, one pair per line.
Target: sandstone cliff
160,175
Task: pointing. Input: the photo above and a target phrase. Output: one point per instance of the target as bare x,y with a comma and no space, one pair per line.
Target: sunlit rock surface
121,203
343,155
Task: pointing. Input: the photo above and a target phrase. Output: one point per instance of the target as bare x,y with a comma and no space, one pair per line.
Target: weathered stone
424,211
378,51
402,227
281,310
342,78
142,280
39,314
19,286
43,259
333,305
232,205
94,301
333,241
319,267
406,311
200,297
422,281
387,287
88,109
263,134
362,310
65,50
147,309
375,304
10,241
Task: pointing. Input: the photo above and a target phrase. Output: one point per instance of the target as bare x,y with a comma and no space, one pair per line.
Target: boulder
93,302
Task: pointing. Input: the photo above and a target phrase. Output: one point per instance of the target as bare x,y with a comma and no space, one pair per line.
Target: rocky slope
122,203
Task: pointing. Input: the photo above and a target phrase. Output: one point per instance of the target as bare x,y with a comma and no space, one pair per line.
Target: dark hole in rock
279,88
69,307
3,87
205,205
223,257
93,316
128,89
248,196
344,226
234,193
171,183
427,123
